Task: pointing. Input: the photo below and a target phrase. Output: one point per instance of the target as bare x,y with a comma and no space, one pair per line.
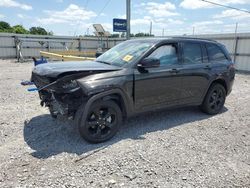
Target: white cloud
73,14
121,16
2,16
23,16
196,4
233,14
12,3
103,14
173,21
159,9
207,23
213,26
141,21
160,22
20,16
107,26
242,27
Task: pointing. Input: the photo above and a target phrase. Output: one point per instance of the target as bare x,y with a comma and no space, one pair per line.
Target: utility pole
236,28
193,30
163,32
236,39
128,18
150,28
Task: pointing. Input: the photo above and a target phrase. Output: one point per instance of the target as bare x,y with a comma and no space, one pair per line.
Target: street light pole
128,18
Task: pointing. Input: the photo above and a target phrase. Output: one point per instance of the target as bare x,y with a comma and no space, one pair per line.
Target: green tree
5,27
143,35
38,31
19,29
115,35
50,33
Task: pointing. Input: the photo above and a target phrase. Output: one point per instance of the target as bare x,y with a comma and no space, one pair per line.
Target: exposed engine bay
62,97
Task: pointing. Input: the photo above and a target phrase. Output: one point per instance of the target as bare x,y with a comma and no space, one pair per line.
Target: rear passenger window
215,53
192,53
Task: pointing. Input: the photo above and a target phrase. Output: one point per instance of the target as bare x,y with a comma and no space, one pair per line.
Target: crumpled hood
55,69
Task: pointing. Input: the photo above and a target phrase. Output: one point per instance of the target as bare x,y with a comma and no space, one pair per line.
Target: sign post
128,18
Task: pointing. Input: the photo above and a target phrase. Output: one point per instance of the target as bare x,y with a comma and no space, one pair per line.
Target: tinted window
192,53
167,54
125,52
215,53
204,53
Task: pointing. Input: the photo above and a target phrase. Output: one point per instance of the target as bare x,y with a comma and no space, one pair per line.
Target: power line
232,16
86,4
99,13
106,4
226,6
77,26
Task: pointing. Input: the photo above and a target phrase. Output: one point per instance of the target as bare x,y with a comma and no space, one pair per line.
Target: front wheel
102,122
214,99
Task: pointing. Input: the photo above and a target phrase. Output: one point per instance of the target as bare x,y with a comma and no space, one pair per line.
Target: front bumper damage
64,104
60,101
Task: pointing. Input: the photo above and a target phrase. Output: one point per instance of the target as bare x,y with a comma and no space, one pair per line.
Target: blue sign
119,25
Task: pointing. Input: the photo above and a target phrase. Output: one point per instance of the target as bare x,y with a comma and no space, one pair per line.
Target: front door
159,87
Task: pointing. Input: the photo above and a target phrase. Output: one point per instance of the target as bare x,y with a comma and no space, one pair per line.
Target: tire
214,99
52,114
102,122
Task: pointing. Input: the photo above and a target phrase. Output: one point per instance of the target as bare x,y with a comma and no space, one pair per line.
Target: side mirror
149,62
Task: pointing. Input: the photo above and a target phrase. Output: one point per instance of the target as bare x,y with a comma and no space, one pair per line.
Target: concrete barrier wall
238,45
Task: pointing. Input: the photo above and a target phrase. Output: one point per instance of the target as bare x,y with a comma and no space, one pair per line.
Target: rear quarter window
215,53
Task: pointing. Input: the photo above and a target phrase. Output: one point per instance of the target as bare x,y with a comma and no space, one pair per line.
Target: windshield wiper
105,62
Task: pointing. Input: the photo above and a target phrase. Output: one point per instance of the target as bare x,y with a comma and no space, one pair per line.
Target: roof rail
183,37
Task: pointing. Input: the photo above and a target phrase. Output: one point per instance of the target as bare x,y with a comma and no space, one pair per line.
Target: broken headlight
70,85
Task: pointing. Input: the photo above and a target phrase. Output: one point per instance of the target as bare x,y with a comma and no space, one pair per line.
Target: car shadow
49,137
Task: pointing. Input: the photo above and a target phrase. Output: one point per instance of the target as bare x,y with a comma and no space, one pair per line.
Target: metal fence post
236,48
48,46
79,44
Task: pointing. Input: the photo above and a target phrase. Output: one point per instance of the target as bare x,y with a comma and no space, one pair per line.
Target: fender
83,109
216,77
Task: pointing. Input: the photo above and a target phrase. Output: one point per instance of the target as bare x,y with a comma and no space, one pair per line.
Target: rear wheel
214,100
102,122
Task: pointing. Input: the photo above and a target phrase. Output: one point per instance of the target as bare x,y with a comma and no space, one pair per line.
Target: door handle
207,67
174,71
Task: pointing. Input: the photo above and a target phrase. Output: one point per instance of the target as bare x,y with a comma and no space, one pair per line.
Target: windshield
125,52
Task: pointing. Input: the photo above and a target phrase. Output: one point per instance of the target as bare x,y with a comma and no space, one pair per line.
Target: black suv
133,77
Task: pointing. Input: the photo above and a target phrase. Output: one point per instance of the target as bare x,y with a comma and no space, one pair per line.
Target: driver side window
167,54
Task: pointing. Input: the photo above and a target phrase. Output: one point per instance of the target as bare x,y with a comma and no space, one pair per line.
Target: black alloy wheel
215,99
102,122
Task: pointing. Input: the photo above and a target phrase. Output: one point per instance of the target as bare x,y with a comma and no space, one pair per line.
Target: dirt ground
177,148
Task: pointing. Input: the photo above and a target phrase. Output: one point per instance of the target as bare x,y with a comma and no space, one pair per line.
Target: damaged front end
62,96
58,88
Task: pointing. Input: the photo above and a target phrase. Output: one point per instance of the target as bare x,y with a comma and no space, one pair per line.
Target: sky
176,17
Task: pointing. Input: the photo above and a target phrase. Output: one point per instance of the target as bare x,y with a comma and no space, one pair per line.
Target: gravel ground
177,148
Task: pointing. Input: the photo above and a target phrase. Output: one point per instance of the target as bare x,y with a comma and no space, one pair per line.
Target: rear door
195,73
159,87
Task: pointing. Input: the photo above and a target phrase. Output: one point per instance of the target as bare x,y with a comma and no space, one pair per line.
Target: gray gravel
177,148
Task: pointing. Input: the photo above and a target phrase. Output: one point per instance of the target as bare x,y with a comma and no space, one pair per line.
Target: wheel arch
222,82
119,100
217,80
115,94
